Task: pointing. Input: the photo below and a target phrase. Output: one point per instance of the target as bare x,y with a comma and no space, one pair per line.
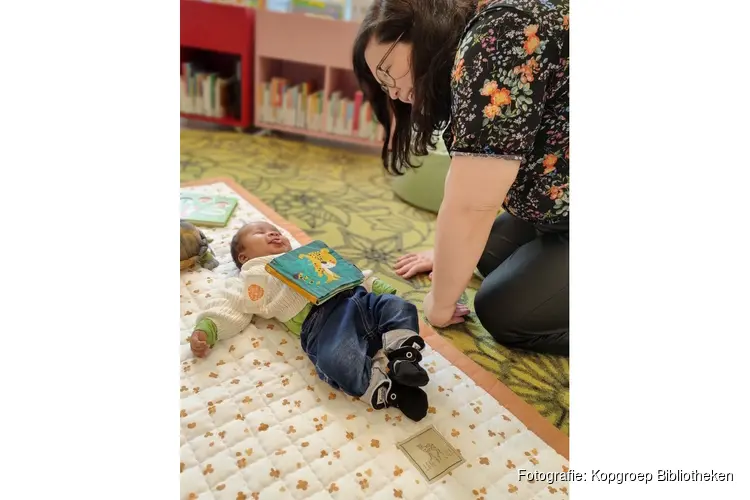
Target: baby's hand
199,344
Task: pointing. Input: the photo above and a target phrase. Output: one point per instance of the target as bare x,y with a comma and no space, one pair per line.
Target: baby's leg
380,384
338,347
396,319
397,323
350,352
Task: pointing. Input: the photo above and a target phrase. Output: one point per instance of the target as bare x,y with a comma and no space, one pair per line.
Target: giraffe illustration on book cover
316,271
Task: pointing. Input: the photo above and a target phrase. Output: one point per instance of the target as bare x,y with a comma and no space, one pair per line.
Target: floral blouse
510,100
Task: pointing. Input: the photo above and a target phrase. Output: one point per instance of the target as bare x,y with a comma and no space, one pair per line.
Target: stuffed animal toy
194,248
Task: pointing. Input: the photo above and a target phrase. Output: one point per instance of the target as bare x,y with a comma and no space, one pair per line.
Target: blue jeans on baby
342,335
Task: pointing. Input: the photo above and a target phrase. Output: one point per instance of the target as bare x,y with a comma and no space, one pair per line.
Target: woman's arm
474,192
498,94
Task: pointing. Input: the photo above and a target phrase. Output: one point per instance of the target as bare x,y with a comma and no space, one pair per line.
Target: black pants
523,300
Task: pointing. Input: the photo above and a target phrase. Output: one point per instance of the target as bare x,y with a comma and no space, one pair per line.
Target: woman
494,75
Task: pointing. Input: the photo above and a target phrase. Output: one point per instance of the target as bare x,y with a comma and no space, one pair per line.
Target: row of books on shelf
348,10
299,106
331,10
208,94
238,3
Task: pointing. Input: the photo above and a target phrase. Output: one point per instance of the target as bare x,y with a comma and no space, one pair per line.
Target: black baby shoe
379,397
412,401
404,368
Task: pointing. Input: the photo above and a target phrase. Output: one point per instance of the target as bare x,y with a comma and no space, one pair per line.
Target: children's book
206,210
315,271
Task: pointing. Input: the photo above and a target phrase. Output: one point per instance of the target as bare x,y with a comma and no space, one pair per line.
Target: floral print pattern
510,100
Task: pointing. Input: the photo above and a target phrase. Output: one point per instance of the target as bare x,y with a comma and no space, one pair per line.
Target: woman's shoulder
502,74
498,24
534,7
550,13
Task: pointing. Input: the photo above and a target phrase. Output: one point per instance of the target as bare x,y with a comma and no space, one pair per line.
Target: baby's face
259,239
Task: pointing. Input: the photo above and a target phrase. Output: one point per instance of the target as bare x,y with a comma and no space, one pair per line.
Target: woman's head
403,56
391,64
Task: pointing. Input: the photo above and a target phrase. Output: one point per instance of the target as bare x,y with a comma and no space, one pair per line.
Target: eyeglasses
386,80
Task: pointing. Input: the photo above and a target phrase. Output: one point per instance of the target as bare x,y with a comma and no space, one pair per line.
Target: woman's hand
414,263
445,316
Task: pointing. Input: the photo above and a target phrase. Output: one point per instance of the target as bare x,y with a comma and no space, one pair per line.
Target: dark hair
434,28
235,247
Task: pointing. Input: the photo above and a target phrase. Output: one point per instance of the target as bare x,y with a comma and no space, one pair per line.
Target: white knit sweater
255,292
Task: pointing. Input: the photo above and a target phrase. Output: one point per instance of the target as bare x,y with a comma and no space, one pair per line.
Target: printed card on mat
315,271
431,454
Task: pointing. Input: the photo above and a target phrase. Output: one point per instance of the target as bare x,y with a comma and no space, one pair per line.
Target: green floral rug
344,198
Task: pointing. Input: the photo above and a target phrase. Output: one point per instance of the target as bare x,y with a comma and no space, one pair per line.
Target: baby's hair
235,247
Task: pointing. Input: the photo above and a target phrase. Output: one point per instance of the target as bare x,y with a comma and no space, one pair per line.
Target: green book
315,271
206,210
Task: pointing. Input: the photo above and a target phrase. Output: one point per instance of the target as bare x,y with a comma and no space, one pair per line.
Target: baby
364,341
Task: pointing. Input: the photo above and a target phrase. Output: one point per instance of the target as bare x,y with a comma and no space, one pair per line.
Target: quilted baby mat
257,423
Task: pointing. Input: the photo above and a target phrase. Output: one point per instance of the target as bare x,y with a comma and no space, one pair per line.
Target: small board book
206,210
315,271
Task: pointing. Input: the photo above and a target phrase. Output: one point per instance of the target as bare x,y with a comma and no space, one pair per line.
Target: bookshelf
233,52
293,49
216,63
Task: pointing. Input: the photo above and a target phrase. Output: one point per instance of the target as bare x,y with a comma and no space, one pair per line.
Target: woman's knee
538,328
495,312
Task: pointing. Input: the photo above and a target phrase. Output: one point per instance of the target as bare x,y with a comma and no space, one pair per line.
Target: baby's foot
412,401
404,368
